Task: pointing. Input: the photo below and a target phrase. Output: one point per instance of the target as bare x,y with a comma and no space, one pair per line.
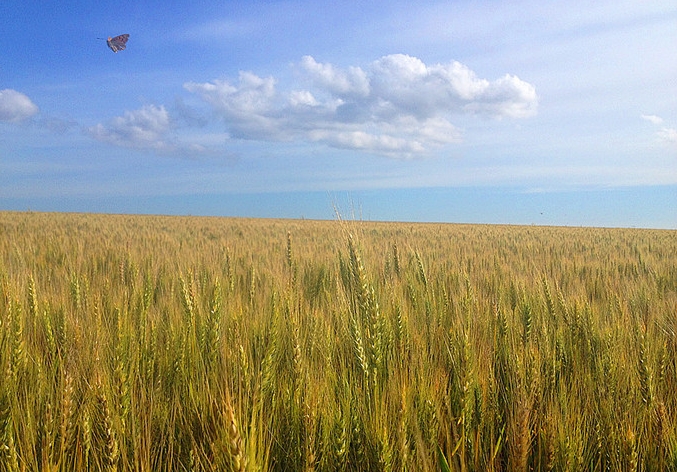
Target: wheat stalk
235,442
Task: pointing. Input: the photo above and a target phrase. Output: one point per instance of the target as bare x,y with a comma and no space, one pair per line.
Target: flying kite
117,43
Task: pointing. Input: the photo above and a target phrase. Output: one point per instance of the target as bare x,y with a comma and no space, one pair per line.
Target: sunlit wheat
168,343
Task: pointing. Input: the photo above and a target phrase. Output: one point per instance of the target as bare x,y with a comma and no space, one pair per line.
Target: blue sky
523,112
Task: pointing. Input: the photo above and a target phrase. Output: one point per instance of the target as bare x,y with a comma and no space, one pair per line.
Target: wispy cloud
669,135
219,29
657,120
146,128
398,106
15,106
665,134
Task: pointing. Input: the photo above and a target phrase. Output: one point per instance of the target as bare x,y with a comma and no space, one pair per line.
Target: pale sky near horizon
521,112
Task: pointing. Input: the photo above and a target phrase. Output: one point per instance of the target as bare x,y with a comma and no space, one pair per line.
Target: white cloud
664,134
143,128
350,83
668,135
248,109
506,97
657,120
398,106
302,99
146,128
411,86
15,106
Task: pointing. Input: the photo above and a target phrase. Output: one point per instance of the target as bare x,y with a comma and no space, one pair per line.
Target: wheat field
154,343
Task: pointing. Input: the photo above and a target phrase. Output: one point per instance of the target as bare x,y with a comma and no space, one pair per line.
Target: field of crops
182,343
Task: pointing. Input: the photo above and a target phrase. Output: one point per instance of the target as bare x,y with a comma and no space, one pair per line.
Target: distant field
183,343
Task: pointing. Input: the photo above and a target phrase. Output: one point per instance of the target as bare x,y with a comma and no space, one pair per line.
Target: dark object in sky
118,43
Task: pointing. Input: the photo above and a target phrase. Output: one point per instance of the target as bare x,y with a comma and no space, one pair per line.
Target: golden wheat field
153,343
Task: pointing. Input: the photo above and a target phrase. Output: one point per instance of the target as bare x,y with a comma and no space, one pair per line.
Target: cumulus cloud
411,86
349,83
143,128
146,128
248,109
15,106
396,106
